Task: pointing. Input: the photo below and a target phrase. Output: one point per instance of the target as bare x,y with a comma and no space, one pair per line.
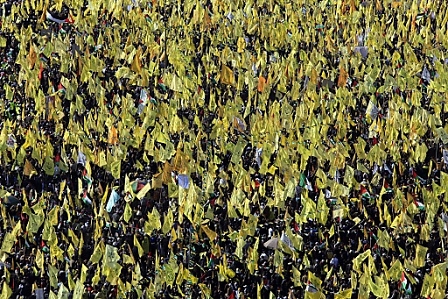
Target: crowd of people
223,149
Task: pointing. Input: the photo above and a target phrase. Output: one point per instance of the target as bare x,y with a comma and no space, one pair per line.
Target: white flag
82,159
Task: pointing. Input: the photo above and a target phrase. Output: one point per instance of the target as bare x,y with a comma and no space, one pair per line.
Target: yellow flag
375,288
110,260
34,222
143,191
115,168
128,259
53,275
29,169
315,295
261,83
227,76
70,282
6,291
383,239
53,216
154,218
84,271
102,159
168,222
428,283
136,63
176,84
139,247
241,43
127,213
56,253
439,274
32,57
79,290
346,294
40,260
210,234
10,238
424,232
97,253
331,232
314,280
357,261
420,256
180,276
296,277
113,135
343,76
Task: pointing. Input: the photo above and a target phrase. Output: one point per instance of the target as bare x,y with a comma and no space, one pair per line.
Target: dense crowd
216,149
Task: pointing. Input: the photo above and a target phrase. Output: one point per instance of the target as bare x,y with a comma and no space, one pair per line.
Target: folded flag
403,281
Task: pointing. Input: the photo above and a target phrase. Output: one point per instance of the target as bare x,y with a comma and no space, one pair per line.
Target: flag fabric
285,239
113,199
113,135
32,57
176,84
372,110
239,124
6,291
210,234
111,257
29,169
127,213
183,181
116,168
50,16
343,76
136,63
85,198
227,76
314,282
304,183
365,193
425,74
420,256
404,285
261,83
82,159
419,205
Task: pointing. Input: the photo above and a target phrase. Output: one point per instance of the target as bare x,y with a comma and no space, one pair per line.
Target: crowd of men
223,149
